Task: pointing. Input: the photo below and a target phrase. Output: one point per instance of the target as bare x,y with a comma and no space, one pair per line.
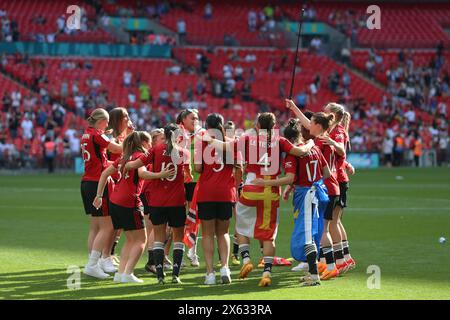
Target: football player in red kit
257,208
339,135
94,144
168,200
306,173
215,200
329,150
121,126
125,204
157,139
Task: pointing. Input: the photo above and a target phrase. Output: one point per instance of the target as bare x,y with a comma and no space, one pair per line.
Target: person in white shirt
61,23
388,146
27,129
315,45
79,104
443,147
252,19
410,116
16,96
131,98
181,29
75,146
51,38
313,91
127,76
208,11
239,71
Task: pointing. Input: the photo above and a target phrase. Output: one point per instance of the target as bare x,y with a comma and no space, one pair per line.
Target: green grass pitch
392,223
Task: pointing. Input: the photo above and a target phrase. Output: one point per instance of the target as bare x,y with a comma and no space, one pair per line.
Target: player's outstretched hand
290,104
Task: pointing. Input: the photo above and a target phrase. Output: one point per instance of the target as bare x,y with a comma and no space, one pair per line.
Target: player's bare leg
223,242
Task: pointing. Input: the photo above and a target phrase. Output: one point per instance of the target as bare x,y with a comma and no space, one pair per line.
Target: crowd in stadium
411,116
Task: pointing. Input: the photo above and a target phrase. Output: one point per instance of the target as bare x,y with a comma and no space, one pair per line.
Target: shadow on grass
52,284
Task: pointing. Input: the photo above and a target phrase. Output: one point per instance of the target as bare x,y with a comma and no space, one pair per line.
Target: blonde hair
97,115
337,109
155,133
346,121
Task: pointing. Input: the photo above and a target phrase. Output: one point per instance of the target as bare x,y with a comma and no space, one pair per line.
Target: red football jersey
129,187
261,158
339,134
93,148
216,182
330,156
307,169
166,192
114,156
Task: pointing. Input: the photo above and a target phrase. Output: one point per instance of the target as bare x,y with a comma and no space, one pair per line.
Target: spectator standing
181,29
14,123
144,92
302,100
417,149
208,11
252,20
398,150
27,128
6,101
127,76
131,98
50,154
443,144
315,45
388,146
16,98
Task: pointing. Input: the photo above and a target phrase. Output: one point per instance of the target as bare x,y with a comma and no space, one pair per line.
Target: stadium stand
416,25
389,92
44,21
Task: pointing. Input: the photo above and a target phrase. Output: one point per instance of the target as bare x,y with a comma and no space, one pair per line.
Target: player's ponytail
346,124
169,130
323,119
96,115
133,143
266,121
346,121
215,121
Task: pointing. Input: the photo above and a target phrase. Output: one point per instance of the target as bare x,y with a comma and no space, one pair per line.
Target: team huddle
159,188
